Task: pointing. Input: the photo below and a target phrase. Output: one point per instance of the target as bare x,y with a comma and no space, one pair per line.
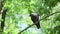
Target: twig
37,21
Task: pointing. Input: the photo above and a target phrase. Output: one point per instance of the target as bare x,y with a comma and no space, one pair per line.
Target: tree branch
3,17
37,21
2,12
2,5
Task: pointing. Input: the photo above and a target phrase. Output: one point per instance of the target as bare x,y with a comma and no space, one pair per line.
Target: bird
35,19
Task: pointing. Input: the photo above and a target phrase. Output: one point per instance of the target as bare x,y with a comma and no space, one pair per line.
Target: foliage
17,17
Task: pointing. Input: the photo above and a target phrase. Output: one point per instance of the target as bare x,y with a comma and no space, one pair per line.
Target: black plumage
35,18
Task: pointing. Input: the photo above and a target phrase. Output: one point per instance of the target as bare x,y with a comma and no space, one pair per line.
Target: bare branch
37,21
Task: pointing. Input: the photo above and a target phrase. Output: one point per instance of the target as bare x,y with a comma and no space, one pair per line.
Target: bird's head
33,14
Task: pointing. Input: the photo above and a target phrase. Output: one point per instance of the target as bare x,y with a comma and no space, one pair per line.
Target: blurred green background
17,18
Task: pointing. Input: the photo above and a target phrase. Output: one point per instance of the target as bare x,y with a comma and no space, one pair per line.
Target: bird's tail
38,25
